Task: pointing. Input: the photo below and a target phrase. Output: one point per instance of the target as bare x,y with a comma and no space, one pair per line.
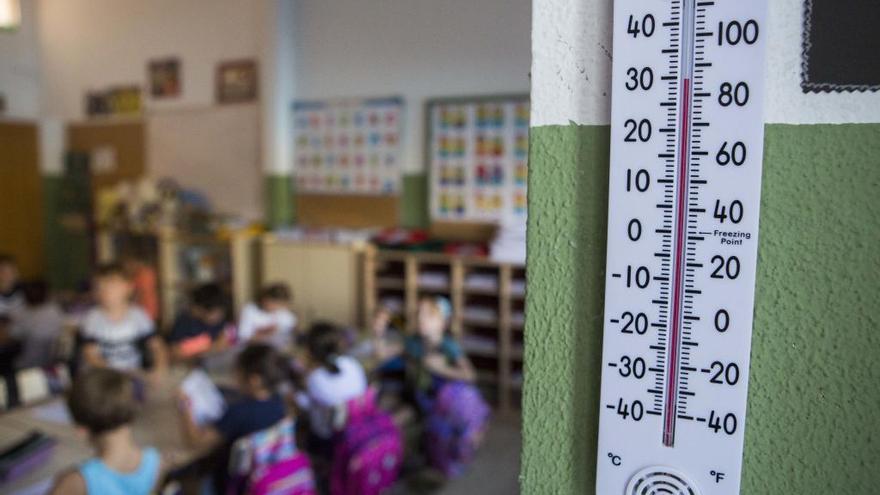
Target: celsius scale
686,149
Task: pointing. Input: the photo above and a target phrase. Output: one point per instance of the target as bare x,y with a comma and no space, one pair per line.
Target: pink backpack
369,451
455,427
268,463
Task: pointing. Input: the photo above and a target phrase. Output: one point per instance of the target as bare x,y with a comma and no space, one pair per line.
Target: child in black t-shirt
201,328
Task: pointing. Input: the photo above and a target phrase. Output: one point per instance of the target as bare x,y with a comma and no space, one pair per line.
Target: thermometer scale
686,157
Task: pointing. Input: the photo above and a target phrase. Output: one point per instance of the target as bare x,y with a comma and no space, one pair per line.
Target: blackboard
841,46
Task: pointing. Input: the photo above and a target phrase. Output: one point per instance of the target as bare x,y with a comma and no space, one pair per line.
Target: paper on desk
39,488
206,403
53,412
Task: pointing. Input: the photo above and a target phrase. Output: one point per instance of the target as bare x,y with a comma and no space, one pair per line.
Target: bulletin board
840,46
348,146
478,152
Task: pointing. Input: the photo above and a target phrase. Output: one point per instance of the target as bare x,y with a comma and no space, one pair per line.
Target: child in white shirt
333,380
270,319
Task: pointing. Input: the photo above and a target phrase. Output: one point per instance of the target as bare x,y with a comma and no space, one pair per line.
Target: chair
33,385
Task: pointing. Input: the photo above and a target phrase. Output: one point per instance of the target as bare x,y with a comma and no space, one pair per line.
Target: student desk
157,425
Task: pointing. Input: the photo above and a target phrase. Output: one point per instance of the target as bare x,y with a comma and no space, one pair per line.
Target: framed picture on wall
237,81
164,76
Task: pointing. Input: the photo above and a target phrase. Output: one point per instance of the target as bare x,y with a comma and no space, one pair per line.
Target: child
432,356
144,281
117,333
38,327
101,403
11,300
270,320
259,372
200,328
334,379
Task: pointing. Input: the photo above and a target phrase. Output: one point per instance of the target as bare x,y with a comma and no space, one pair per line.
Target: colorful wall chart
478,158
349,146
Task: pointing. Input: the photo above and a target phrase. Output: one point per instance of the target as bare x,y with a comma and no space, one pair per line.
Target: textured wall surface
814,398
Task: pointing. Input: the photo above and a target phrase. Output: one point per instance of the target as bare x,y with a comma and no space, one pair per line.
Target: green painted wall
414,201
814,396
280,206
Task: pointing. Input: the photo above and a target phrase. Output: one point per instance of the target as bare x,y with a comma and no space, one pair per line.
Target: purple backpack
455,427
268,463
368,452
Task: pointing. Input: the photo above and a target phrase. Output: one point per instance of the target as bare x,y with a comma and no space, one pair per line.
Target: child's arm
196,436
160,355
69,483
91,355
382,349
461,370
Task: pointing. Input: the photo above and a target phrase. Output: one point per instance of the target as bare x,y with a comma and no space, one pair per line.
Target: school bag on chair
268,463
455,427
368,452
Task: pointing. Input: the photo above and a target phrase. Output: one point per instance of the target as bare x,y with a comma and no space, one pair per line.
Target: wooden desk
157,425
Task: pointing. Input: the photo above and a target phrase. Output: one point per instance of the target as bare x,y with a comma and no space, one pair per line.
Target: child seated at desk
259,372
102,405
270,319
11,298
38,327
117,334
201,328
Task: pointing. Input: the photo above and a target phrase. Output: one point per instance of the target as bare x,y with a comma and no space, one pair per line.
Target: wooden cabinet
325,278
488,307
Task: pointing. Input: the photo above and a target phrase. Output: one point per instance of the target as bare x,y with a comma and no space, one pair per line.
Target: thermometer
686,151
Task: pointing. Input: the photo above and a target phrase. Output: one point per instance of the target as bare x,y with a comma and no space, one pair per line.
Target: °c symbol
615,459
717,475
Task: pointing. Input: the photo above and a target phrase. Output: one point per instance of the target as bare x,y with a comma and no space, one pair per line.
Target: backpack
368,452
268,463
455,427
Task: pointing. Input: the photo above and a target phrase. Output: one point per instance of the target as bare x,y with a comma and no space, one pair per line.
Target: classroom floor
495,470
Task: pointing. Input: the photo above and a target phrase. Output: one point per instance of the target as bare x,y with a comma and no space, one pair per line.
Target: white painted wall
571,68
414,48
93,44
20,66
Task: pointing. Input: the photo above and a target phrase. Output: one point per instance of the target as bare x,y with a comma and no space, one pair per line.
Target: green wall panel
280,209
414,201
814,398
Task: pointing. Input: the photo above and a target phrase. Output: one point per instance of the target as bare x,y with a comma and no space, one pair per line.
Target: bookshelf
488,307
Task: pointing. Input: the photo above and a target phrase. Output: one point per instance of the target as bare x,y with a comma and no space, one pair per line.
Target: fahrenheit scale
687,144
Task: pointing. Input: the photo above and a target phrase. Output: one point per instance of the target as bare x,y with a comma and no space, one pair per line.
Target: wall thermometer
687,145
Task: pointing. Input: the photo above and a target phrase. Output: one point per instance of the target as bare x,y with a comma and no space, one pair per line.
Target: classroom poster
348,146
479,159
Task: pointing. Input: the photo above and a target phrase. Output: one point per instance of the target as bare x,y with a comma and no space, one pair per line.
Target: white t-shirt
328,393
253,319
121,342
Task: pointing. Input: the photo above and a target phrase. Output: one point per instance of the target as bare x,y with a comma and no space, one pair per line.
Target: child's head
324,341
36,293
102,400
434,315
113,288
274,297
208,304
8,272
260,369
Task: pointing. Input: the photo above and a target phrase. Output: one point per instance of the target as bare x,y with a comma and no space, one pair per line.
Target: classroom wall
20,66
95,44
812,405
417,49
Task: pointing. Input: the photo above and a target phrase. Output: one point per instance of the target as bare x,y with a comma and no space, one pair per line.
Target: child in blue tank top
102,403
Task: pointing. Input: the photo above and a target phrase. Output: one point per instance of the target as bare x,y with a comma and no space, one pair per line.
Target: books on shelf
483,282
433,280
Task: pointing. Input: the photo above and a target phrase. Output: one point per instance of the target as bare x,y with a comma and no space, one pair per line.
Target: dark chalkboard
841,46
